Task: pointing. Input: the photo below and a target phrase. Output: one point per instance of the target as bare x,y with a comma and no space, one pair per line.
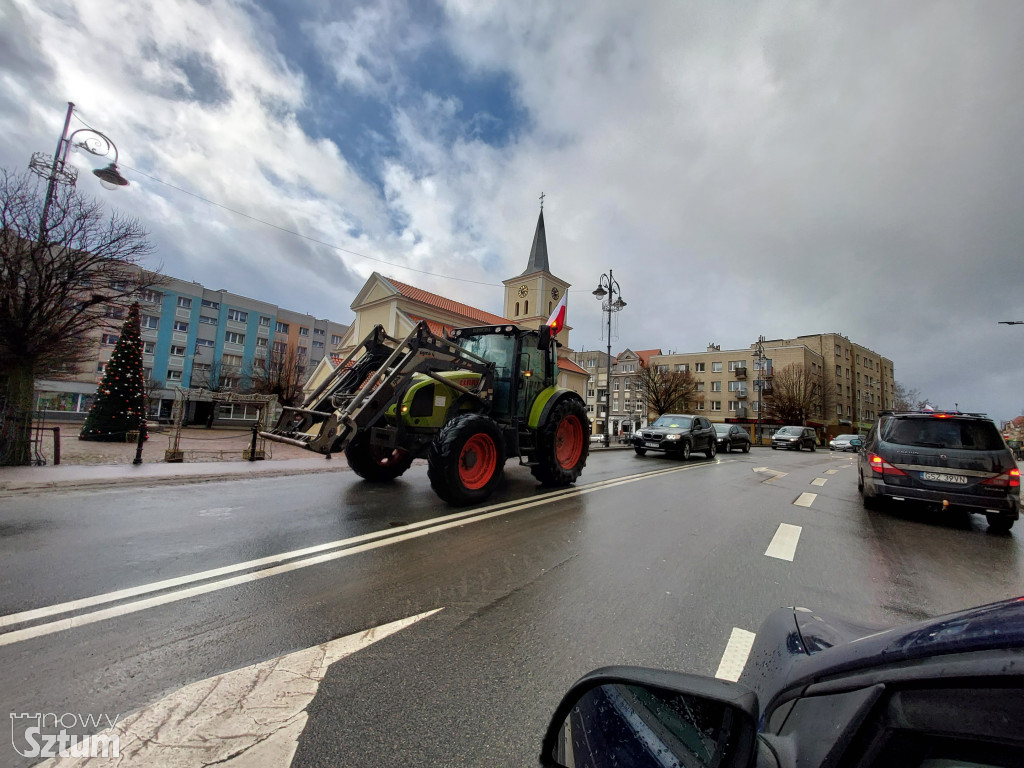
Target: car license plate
942,477
651,444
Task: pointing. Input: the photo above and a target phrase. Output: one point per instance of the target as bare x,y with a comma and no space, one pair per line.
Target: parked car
946,458
815,691
794,438
845,443
732,436
678,435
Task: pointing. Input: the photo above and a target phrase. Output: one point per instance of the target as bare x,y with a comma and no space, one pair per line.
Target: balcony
741,373
741,394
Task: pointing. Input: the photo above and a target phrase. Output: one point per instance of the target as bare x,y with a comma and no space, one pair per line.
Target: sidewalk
87,464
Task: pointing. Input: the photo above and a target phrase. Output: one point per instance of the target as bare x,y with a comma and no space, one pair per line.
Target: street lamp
56,170
608,286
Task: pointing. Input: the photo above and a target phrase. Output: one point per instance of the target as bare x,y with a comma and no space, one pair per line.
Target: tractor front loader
464,403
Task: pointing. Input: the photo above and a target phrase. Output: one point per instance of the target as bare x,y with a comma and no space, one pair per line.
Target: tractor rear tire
466,459
562,445
376,465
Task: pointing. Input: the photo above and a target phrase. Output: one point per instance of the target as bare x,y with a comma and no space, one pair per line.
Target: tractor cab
523,364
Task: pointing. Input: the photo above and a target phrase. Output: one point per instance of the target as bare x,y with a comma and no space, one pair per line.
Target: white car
844,443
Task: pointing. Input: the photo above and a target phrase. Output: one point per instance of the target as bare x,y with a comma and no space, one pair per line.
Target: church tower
531,296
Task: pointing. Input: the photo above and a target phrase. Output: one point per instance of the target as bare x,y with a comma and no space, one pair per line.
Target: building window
700,386
716,386
517,310
185,302
281,327
207,320
230,337
734,405
264,321
700,405
629,385
839,410
335,340
839,389
205,343
698,367
737,386
228,382
662,369
148,347
101,367
211,304
716,367
261,341
238,316
150,322
734,364
839,350
109,339
318,345
280,347
716,405
177,351
526,307
231,360
839,370
173,375
151,297
683,367
615,386
318,332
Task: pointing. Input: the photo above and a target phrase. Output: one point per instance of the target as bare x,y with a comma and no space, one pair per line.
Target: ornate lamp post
56,170
608,286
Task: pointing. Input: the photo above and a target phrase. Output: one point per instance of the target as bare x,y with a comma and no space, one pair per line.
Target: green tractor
466,403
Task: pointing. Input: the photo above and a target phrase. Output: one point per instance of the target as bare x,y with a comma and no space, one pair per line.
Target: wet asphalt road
655,570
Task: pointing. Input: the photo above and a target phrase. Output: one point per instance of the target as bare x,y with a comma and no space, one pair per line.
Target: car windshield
845,437
789,431
722,429
934,432
671,420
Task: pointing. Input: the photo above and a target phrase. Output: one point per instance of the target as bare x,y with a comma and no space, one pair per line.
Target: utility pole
759,356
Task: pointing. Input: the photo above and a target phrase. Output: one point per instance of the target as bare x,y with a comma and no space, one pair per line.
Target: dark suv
948,458
677,435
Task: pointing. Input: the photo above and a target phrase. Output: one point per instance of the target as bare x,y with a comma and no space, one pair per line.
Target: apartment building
595,365
860,380
197,337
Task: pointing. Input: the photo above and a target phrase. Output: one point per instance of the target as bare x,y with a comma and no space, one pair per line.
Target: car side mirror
627,716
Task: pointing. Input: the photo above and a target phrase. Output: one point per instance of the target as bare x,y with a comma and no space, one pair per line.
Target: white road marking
805,499
819,481
775,474
735,656
784,542
364,543
252,716
831,471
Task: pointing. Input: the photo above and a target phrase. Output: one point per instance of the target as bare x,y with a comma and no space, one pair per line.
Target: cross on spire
542,201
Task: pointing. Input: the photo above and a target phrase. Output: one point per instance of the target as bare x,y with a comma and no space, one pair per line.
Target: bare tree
281,373
798,394
907,399
60,280
667,391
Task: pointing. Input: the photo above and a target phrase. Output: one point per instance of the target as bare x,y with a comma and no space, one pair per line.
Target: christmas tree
120,404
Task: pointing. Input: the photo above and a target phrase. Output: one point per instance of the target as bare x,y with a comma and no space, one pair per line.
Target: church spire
539,253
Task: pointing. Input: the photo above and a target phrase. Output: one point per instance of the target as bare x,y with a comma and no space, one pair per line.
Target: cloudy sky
776,168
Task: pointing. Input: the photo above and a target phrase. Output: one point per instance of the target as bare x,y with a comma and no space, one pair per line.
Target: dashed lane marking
775,474
735,656
784,542
819,481
805,499
831,471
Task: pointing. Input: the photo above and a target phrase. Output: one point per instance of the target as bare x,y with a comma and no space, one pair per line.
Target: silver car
845,443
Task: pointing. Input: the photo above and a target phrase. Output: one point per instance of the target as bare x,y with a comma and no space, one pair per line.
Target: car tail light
883,467
1009,479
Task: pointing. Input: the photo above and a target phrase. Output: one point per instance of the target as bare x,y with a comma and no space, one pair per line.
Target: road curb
10,489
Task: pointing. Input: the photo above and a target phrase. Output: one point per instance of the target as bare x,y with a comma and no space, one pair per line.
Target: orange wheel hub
568,442
478,461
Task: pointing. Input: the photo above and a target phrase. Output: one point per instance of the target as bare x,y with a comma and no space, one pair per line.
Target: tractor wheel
562,446
466,459
377,465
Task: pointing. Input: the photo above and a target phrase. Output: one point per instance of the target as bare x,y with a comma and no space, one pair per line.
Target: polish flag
557,320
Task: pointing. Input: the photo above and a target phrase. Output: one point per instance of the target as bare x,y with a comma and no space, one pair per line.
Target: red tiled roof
337,360
436,328
432,299
565,364
645,356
